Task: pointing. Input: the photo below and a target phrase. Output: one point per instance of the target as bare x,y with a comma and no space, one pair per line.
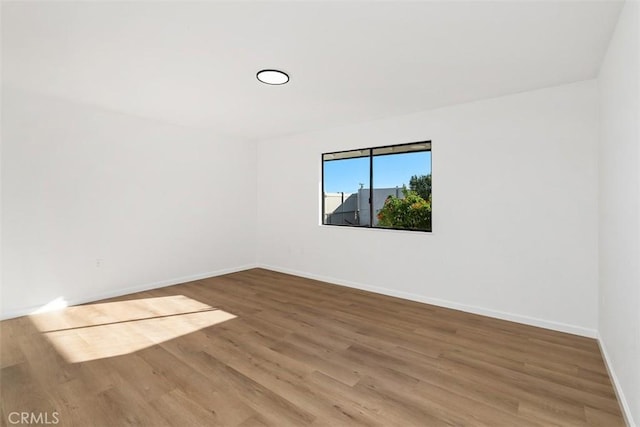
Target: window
379,187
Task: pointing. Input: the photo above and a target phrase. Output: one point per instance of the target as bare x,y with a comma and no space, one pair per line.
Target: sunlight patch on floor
96,331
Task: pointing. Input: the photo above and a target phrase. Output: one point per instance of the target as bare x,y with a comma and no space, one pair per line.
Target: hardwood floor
262,348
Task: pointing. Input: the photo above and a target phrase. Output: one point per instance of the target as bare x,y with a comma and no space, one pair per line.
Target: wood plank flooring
260,348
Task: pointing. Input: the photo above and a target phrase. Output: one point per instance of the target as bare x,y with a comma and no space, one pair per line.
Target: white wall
155,202
619,227
515,209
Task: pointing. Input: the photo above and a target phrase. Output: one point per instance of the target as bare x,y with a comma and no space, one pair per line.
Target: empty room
330,213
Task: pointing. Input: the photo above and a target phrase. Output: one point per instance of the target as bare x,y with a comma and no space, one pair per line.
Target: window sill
384,230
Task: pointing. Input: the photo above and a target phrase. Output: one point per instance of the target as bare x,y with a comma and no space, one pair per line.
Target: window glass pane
346,188
400,176
402,187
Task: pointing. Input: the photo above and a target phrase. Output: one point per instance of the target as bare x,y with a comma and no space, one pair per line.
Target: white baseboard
23,311
547,324
624,405
532,321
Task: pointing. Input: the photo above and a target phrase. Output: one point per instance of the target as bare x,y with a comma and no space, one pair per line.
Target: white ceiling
195,63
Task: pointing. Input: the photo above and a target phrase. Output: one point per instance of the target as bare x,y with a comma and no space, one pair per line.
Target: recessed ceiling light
272,77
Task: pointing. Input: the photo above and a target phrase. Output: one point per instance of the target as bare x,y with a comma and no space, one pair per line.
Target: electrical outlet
98,262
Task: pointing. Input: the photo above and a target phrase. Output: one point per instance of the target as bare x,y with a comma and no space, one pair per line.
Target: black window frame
371,189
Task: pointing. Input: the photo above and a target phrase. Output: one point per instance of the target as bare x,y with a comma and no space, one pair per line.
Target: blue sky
388,171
